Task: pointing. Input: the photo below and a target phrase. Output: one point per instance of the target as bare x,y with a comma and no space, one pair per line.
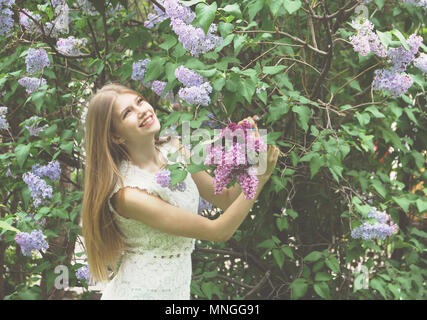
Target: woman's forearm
235,214
233,192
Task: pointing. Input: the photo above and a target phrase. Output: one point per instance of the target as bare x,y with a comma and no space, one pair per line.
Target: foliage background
318,107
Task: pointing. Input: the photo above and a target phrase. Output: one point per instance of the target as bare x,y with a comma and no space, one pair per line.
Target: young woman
143,231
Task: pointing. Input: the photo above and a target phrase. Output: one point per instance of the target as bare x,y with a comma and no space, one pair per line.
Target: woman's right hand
272,156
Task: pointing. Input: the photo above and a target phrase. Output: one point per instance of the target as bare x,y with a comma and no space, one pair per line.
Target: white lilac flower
3,122
31,84
421,62
36,60
71,46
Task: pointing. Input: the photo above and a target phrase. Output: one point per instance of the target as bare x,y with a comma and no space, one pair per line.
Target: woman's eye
140,100
126,112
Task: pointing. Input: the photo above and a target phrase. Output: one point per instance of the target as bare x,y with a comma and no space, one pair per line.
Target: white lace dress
157,265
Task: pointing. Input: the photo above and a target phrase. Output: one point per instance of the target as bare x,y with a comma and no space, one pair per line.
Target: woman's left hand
253,124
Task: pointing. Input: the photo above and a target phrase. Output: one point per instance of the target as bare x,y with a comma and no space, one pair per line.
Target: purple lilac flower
52,170
138,72
188,77
36,60
396,83
6,21
27,22
40,190
366,40
83,273
33,128
380,229
71,46
163,177
196,94
203,205
414,42
194,39
421,62
31,84
180,186
3,122
158,87
31,241
231,163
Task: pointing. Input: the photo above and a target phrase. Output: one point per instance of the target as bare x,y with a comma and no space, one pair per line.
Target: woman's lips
149,123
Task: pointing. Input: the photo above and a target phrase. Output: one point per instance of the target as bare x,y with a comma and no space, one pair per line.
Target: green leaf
154,68
273,69
402,39
375,112
379,187
304,114
232,9
299,288
322,289
316,162
67,146
313,256
279,257
278,107
21,153
288,251
247,88
403,203
254,7
322,276
238,44
421,205
206,14
333,264
378,285
292,6
4,225
169,42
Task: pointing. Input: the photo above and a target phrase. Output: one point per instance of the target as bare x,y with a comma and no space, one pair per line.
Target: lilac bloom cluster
203,205
366,40
26,21
83,273
33,128
231,163
87,7
6,20
36,60
417,3
40,190
394,79
31,241
421,62
188,77
163,178
155,19
197,94
71,46
158,87
31,84
396,83
52,170
196,90
138,71
193,39
380,229
3,122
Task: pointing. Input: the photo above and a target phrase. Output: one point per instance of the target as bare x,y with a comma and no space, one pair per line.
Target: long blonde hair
104,241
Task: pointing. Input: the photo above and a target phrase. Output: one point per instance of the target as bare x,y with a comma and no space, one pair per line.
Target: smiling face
134,118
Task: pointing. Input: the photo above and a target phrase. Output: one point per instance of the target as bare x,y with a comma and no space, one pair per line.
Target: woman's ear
117,140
